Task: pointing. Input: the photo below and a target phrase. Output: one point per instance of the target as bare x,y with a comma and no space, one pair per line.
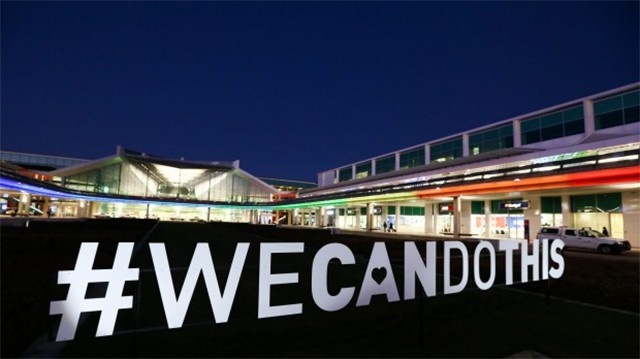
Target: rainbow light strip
581,179
629,174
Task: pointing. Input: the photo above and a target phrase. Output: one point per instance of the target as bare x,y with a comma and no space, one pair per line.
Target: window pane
507,142
631,114
530,125
530,137
551,204
608,105
493,134
631,99
610,119
578,203
572,114
506,131
609,202
386,164
345,174
552,132
477,207
551,120
412,158
363,170
475,139
573,127
491,145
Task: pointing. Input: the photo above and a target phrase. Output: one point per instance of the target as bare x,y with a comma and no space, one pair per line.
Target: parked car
585,238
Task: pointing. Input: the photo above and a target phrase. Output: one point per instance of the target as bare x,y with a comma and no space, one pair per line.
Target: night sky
289,88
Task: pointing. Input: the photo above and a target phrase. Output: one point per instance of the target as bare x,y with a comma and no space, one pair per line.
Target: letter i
545,259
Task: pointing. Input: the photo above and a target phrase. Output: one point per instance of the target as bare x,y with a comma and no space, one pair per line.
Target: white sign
379,278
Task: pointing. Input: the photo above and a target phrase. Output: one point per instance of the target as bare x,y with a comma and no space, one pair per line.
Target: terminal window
412,158
491,140
445,151
385,164
617,110
553,125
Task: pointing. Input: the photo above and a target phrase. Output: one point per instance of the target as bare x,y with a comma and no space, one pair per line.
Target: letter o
476,265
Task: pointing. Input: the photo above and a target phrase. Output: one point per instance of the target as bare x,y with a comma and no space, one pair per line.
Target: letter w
175,309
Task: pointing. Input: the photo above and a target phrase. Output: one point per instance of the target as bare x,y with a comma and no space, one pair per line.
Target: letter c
324,300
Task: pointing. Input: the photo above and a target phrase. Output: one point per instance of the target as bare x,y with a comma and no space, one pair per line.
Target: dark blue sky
289,88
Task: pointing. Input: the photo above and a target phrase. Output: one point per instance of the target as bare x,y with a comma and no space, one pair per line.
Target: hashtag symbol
79,279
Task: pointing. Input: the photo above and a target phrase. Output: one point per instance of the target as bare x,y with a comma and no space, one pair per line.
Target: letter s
557,258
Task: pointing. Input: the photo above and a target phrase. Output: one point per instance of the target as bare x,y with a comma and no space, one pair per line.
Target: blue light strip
23,187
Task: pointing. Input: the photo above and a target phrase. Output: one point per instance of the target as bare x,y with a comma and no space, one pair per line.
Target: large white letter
321,296
556,245
448,288
413,266
175,309
383,283
267,279
529,260
545,259
476,265
508,246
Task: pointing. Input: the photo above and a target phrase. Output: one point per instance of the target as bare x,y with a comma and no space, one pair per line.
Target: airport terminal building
574,164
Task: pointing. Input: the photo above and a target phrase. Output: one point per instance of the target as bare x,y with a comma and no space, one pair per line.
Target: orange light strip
582,179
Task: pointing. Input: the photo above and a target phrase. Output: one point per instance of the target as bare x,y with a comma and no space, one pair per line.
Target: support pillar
589,117
384,214
457,216
567,218
24,204
487,218
396,223
45,206
533,216
428,218
83,206
369,225
465,217
320,217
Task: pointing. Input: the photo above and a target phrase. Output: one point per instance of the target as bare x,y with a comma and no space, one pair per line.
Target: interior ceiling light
177,176
617,159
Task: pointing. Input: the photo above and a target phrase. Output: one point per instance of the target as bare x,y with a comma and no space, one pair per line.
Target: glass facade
411,211
39,160
617,110
551,211
597,203
447,150
551,204
385,164
345,174
363,169
553,125
477,207
412,158
491,140
148,179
